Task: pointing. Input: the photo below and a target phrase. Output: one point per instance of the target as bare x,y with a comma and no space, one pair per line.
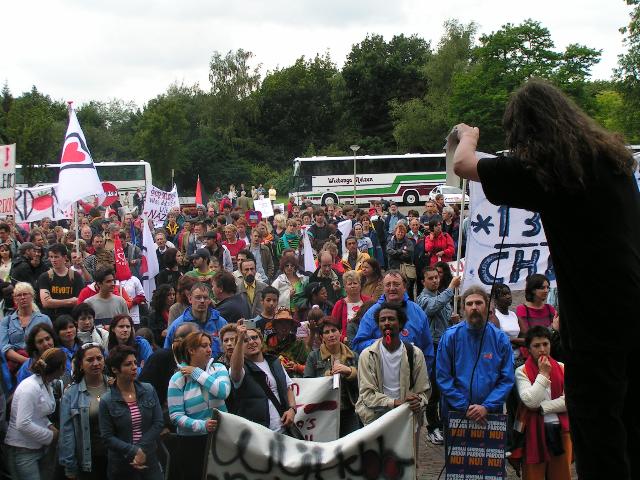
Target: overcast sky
133,50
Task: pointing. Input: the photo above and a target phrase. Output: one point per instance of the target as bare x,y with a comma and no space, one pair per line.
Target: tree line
395,96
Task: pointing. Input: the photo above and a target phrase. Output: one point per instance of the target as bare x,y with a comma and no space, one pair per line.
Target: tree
165,128
502,62
295,106
628,73
377,72
422,123
37,125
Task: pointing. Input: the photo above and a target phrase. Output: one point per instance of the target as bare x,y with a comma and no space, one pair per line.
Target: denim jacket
75,435
115,425
13,336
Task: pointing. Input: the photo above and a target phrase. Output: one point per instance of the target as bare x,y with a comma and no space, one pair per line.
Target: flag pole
75,222
460,231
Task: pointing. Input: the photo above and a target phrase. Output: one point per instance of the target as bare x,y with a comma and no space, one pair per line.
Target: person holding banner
198,387
558,156
334,357
391,371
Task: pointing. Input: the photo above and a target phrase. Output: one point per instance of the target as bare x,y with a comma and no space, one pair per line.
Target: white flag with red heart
78,176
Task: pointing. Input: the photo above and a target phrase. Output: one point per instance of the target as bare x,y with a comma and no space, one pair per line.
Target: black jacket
23,271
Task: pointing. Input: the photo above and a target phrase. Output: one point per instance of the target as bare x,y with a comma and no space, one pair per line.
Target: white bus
402,178
125,176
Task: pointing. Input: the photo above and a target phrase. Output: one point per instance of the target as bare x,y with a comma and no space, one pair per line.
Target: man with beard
391,372
474,366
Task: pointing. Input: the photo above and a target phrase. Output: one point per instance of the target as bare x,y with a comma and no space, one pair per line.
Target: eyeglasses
251,338
21,295
87,346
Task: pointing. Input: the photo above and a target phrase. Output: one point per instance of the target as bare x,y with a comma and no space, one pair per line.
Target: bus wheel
411,197
329,199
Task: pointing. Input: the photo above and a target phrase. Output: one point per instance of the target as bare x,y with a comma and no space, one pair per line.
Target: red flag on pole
199,192
123,272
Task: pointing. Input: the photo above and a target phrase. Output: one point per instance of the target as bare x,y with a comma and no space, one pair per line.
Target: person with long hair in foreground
570,171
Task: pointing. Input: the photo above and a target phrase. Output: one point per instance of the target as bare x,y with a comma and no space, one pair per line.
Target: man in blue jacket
203,315
459,347
416,330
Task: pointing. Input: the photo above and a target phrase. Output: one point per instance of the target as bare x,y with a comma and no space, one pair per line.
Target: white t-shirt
133,287
352,309
391,371
275,424
508,323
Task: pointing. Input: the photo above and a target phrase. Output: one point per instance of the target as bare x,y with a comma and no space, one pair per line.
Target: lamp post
355,148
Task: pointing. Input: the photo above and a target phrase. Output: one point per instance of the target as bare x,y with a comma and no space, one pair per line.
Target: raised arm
465,163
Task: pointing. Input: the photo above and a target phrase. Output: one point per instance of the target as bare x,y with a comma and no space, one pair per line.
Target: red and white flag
78,176
149,267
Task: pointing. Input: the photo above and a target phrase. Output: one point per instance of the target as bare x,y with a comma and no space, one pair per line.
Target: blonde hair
351,275
280,220
24,287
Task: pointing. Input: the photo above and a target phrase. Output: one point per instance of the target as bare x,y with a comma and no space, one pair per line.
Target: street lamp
355,148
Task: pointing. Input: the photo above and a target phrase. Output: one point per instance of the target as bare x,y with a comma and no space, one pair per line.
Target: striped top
136,422
287,241
191,399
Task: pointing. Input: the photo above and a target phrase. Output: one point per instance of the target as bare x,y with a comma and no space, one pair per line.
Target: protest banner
36,203
110,194
457,267
318,404
244,450
264,206
158,203
525,250
476,450
8,184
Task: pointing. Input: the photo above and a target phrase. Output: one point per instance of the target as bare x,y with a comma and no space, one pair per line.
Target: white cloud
91,49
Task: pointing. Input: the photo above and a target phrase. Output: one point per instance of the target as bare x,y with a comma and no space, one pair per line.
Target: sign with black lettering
489,259
475,450
8,180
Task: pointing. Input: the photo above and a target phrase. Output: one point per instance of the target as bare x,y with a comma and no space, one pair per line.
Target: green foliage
390,96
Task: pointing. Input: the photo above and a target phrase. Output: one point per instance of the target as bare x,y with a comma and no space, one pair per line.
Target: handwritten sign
318,403
8,180
33,204
476,450
264,206
524,251
244,450
158,203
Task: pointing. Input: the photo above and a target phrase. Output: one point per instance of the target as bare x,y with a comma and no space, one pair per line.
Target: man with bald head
416,329
328,276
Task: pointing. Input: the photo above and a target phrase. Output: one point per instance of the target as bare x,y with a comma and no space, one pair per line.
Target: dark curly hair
557,141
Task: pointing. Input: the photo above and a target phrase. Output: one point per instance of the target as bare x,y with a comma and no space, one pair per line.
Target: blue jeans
27,464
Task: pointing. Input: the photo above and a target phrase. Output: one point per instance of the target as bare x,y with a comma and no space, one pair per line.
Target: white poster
524,251
318,403
264,206
244,450
158,203
36,203
8,182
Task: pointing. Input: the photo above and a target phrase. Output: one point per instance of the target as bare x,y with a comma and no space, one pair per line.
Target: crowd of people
100,381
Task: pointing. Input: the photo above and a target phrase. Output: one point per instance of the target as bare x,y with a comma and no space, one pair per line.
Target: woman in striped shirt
195,390
130,421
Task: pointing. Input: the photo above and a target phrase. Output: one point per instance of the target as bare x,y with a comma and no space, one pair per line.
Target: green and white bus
402,178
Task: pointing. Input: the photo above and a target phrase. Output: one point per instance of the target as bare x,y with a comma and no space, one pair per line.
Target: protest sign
110,194
318,403
33,204
245,450
457,267
264,206
158,203
476,450
8,183
279,206
525,250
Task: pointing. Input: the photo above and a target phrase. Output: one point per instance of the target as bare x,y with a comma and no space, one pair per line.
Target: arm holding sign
465,163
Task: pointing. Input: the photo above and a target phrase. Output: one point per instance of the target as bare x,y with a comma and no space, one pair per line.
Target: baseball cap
201,253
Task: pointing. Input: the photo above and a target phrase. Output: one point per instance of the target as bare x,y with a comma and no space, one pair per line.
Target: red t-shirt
536,316
234,248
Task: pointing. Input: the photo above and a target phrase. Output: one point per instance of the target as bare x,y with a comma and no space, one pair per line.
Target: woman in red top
438,245
232,243
346,308
535,310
